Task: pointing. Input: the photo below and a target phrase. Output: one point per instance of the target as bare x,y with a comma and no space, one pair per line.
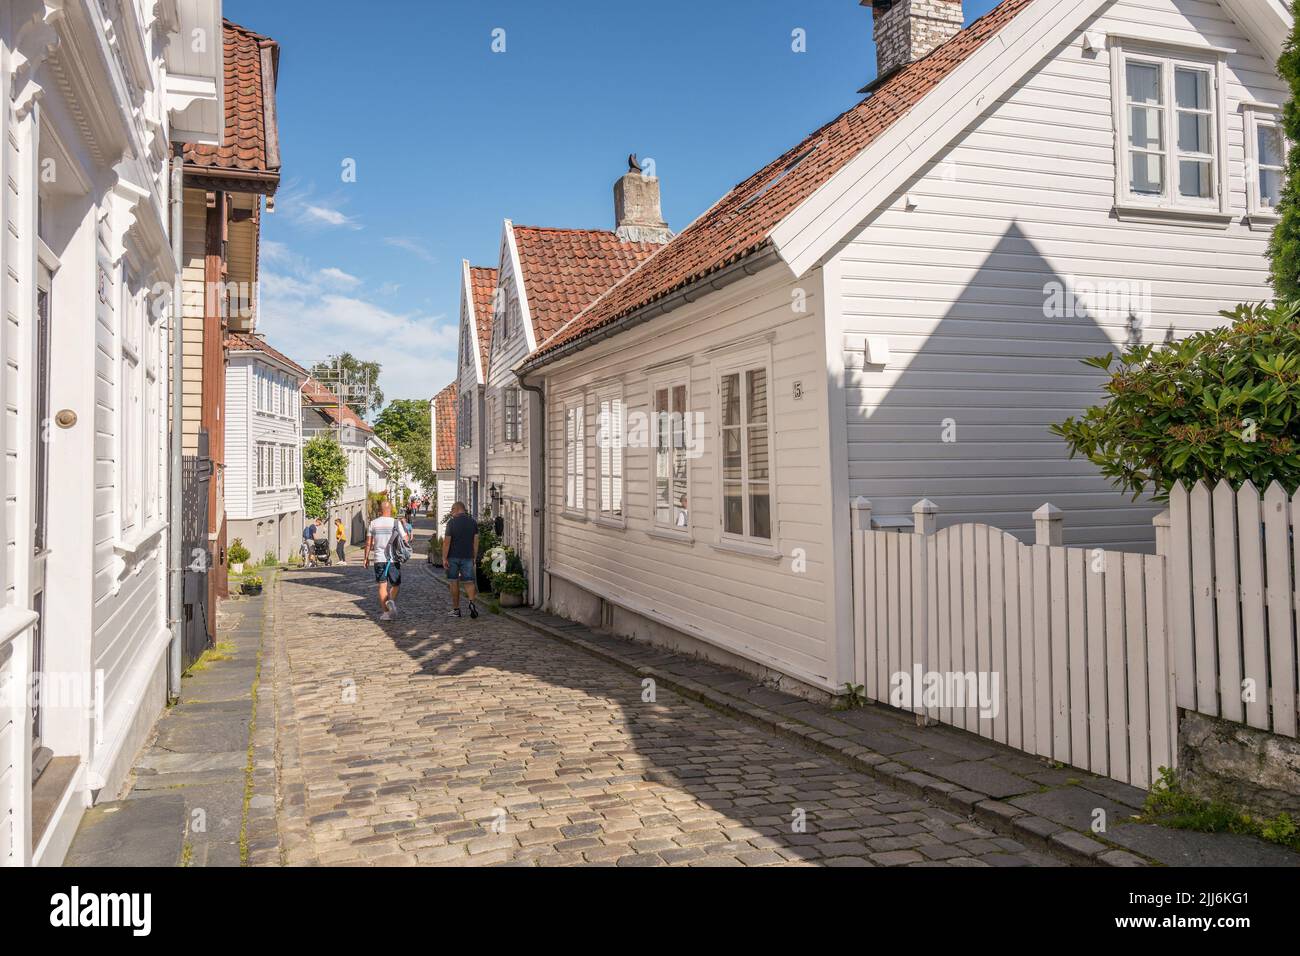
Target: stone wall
1239,765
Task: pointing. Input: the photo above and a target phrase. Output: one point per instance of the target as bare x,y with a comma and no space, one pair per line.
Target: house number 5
798,391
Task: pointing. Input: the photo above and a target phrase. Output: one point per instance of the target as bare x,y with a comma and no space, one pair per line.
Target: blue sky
449,138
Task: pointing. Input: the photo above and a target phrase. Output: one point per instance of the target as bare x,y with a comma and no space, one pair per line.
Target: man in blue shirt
459,551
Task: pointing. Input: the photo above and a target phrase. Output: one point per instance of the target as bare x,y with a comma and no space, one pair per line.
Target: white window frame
739,362
573,494
1131,205
611,456
131,405
1255,115
510,427
669,383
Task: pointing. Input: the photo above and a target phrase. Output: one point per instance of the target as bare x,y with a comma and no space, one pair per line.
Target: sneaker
454,612
473,611
385,616
392,608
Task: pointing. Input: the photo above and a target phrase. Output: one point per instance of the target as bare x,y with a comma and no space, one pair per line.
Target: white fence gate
1069,644
1233,598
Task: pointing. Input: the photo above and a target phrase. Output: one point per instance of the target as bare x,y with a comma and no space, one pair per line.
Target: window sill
616,524
1262,221
1203,218
577,516
667,534
748,549
134,543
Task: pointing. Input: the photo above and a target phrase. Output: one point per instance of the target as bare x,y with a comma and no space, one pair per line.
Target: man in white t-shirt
388,573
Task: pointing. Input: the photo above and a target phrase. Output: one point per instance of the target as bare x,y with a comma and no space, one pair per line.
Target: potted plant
237,555
510,587
435,551
252,585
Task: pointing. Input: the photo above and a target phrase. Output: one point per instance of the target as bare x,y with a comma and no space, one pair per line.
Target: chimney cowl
638,216
907,30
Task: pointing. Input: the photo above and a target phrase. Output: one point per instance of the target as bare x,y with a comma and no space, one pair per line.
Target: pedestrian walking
459,551
382,542
340,538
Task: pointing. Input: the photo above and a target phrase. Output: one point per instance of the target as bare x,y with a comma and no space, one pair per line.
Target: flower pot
237,568
251,588
512,600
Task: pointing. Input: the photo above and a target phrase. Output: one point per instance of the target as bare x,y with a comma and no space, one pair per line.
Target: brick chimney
637,215
906,30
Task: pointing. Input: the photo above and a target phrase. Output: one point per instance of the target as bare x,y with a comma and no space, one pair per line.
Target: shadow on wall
959,411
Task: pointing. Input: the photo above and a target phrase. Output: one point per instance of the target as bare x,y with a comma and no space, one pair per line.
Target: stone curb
1061,842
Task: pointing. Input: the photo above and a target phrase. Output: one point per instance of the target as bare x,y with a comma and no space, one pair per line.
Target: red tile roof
483,287
247,342
320,397
565,270
250,145
741,222
444,415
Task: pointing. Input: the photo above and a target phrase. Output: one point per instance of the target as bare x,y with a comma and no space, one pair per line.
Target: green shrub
1284,243
509,583
269,560
237,553
1219,404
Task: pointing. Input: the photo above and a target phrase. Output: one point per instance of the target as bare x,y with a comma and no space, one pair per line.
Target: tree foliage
1220,404
406,425
313,502
350,370
1284,245
326,466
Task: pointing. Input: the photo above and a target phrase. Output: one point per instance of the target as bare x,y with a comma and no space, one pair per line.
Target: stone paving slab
1015,793
439,741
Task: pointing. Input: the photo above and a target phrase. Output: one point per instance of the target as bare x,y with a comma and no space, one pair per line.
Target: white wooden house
442,436
545,278
323,413
478,290
90,103
896,308
263,447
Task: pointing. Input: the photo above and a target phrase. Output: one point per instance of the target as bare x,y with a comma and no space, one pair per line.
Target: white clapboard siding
1072,641
954,280
1232,602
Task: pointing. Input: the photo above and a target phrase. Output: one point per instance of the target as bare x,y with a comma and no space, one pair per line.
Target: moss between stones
1169,805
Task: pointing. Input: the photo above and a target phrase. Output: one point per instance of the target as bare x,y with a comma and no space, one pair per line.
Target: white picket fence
1233,597
1077,638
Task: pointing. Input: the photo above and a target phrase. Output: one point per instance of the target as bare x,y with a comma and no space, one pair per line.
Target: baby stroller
320,551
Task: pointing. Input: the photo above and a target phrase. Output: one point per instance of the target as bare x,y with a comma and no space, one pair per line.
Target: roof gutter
751,264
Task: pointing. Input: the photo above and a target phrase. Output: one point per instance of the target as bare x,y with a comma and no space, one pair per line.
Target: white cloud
325,215
337,277
413,246
309,322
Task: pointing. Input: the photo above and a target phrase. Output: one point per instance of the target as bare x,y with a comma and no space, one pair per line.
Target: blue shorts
461,569
393,572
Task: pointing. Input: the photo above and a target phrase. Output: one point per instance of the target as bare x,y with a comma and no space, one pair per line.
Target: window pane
1271,152
1147,177
1193,133
760,511
758,454
1146,128
1270,186
731,454
1144,83
732,506
1194,178
731,399
756,395
1192,89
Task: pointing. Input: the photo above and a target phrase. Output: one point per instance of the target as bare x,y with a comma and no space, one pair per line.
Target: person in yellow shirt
340,538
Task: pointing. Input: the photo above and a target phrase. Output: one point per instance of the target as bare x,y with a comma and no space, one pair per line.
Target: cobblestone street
435,740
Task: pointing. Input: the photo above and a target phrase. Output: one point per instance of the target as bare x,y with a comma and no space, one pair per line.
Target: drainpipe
177,603
538,489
